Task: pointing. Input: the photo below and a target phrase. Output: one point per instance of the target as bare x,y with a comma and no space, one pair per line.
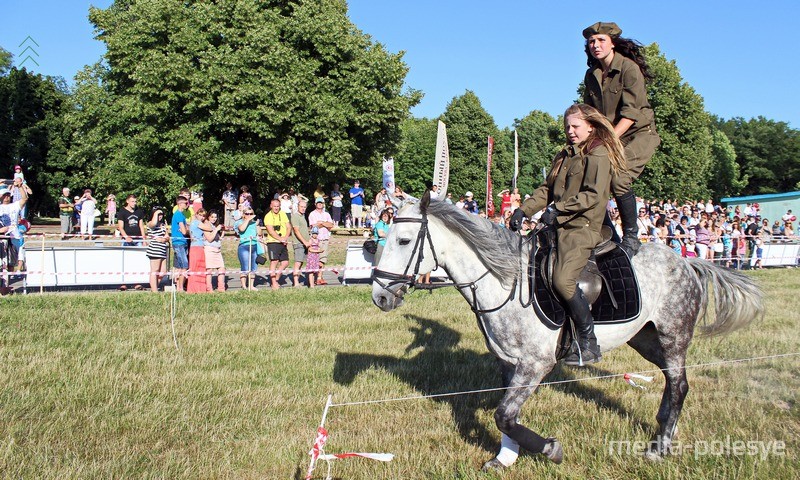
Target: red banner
489,200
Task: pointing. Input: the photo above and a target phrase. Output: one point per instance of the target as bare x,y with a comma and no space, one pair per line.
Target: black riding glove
515,222
549,216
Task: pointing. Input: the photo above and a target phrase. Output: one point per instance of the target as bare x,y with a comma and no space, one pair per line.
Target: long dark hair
626,47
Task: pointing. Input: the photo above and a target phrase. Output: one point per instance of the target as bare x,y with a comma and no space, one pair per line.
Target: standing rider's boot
626,204
588,352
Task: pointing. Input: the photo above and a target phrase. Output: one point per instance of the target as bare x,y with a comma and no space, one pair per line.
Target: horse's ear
424,201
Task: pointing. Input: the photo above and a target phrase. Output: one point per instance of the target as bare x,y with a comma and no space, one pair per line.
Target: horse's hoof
493,465
653,456
553,451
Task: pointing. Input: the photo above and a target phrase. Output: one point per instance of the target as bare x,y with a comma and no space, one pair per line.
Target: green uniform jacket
622,95
578,186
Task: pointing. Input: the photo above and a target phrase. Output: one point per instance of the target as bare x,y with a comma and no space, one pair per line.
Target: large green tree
682,165
6,60
34,134
767,151
726,178
416,154
277,93
540,138
468,129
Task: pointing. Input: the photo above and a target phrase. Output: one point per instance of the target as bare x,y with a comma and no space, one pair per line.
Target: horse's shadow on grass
568,381
434,365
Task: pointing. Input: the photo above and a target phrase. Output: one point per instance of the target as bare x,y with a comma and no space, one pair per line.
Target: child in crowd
18,174
111,209
312,259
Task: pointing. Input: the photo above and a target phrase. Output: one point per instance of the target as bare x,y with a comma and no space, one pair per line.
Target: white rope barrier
560,382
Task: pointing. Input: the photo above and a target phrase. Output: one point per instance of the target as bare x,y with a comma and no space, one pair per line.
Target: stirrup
581,358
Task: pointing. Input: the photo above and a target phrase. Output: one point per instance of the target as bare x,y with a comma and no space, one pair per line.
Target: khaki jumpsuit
578,185
622,94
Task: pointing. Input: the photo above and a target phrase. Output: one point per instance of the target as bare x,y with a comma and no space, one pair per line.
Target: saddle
608,282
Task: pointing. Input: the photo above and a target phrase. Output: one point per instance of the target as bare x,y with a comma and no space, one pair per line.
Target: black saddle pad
616,268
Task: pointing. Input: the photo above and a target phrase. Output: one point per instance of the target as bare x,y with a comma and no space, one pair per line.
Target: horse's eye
404,241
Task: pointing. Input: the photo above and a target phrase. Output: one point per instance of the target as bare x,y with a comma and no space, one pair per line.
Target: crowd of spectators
304,225
702,229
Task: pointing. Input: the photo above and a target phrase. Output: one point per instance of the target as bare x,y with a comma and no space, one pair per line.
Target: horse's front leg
525,379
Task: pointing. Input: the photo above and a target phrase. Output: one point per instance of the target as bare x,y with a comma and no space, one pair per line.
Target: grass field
93,387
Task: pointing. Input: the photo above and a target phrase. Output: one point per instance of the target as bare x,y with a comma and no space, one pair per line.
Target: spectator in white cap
470,204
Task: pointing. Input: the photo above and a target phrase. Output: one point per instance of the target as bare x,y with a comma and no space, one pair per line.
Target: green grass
93,387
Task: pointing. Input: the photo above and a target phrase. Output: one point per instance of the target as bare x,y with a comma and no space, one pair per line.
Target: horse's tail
737,299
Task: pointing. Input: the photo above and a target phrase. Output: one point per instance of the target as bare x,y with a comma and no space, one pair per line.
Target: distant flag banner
489,200
388,174
441,164
516,160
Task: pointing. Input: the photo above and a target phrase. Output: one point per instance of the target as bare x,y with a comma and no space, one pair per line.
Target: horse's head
407,254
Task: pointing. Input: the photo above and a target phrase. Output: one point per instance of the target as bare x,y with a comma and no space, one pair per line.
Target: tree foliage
540,138
33,134
726,177
275,93
415,157
6,60
767,152
681,167
468,127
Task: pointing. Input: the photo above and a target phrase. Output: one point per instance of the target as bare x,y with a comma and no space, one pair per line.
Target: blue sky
516,55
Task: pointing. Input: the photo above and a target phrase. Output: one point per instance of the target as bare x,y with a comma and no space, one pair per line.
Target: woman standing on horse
615,85
575,193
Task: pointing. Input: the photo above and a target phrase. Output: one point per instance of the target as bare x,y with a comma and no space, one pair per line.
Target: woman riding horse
615,85
576,193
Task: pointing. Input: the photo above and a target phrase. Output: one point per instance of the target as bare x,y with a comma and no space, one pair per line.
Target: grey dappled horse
485,262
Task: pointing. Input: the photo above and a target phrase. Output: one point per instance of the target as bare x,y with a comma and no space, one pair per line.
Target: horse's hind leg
522,384
669,354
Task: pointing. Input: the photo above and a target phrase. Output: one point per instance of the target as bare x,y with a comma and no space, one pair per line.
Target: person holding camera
88,206
157,246
247,229
213,232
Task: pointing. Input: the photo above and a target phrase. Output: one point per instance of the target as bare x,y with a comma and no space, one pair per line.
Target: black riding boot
626,204
588,352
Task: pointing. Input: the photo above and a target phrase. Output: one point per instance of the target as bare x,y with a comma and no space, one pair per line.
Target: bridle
406,279
387,280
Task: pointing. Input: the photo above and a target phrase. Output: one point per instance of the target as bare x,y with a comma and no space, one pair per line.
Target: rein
389,279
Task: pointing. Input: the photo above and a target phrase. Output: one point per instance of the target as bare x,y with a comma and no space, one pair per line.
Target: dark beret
602,28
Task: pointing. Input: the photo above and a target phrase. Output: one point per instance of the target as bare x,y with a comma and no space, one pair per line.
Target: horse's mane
497,247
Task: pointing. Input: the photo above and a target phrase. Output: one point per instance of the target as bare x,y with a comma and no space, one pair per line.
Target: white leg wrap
509,451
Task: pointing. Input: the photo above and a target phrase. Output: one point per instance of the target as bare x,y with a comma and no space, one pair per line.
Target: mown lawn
93,387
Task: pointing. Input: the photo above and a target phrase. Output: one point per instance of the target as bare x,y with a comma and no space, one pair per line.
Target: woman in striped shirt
157,245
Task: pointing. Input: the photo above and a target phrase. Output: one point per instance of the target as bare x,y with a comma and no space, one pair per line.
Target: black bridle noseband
389,279
406,279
